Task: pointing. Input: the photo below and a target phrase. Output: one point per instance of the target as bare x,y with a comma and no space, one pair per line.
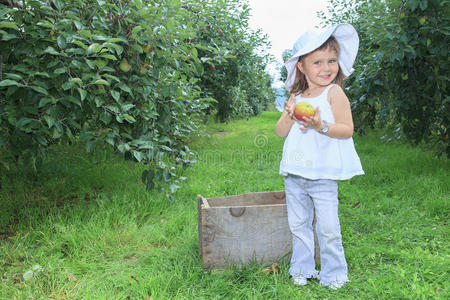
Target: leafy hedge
129,74
402,67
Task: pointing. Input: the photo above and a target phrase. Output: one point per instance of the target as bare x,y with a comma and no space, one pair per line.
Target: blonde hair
300,83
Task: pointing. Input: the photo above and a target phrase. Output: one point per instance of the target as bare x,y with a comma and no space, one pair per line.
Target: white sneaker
299,280
334,285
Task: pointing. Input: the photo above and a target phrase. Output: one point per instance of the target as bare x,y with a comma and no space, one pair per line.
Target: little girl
318,150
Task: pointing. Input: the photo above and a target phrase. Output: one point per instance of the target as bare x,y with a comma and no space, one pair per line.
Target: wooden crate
239,229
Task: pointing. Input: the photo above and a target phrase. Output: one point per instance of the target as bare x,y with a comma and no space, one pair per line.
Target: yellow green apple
125,66
303,109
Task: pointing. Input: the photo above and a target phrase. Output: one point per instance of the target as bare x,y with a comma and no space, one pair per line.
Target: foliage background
138,76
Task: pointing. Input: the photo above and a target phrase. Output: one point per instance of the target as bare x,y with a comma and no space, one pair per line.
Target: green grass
95,233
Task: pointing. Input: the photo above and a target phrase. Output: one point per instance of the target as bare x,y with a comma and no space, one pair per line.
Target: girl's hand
289,106
312,122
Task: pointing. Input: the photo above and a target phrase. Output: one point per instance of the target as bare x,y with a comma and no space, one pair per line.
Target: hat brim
348,41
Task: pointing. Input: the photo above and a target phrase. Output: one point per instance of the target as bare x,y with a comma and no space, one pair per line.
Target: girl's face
320,67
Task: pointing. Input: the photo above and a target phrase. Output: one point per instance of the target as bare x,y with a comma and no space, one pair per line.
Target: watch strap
325,127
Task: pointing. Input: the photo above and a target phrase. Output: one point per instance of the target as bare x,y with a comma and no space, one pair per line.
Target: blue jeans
303,196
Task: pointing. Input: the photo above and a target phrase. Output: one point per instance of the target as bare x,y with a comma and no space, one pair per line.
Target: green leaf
94,48
101,81
109,76
56,133
73,99
78,24
124,147
90,63
14,76
86,33
423,4
43,74
60,70
117,48
165,91
108,56
413,4
101,63
67,85
116,40
76,80
105,117
39,89
9,36
81,44
115,95
62,43
114,109
110,141
41,140
83,93
6,11
70,135
50,121
99,37
138,155
9,82
127,107
8,24
51,50
45,24
125,88
128,118
99,101
136,29
137,48
44,101
23,122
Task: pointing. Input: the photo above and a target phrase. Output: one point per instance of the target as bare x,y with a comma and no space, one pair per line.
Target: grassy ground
86,229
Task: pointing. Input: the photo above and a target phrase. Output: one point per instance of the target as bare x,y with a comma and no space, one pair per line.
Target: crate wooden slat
236,230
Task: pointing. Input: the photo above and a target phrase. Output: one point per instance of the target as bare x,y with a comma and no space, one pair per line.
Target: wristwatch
324,130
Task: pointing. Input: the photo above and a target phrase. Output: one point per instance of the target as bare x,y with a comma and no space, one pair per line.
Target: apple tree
120,73
402,67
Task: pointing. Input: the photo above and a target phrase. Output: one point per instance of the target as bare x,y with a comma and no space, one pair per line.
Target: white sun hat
348,41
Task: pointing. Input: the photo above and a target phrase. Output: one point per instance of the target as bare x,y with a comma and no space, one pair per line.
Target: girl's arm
340,106
285,122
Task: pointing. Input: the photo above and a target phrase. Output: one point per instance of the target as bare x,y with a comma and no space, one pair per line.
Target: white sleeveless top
316,156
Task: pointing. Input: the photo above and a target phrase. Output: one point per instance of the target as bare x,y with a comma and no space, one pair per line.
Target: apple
143,70
303,109
125,66
220,31
148,48
422,20
211,67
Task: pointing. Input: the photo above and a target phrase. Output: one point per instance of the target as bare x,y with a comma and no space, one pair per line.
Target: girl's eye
317,63
332,61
